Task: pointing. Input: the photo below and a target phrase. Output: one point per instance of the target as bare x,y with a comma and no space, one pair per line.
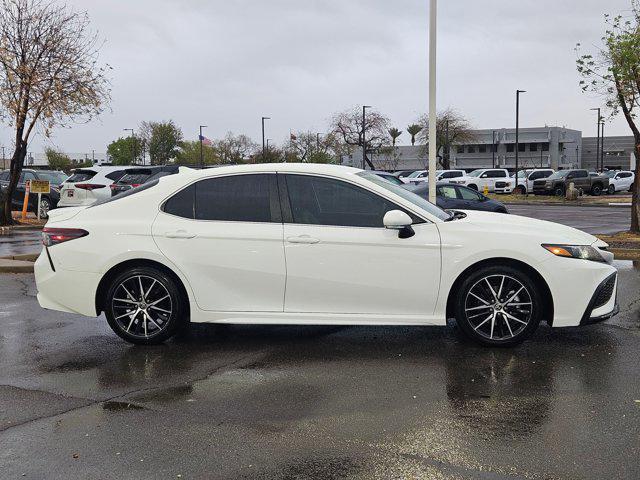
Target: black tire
596,190
611,190
558,191
497,330
521,190
155,325
473,187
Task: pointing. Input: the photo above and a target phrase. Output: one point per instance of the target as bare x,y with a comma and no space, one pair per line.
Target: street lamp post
433,147
602,147
364,140
597,138
201,138
133,145
518,92
263,144
493,149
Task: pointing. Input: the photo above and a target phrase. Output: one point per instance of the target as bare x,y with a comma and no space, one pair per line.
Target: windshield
475,173
415,174
406,195
610,173
558,174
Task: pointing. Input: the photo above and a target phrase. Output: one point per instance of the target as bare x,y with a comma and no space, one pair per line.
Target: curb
10,228
567,204
15,266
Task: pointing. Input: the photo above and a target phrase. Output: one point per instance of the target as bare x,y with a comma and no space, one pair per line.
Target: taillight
89,186
134,185
53,236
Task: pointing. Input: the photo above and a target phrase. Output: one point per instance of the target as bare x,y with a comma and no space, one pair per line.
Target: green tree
451,128
413,130
125,151
57,160
49,74
189,154
613,72
394,133
162,139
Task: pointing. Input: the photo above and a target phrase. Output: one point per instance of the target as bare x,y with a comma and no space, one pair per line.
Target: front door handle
306,239
179,234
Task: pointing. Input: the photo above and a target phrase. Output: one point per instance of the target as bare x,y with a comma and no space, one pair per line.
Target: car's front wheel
498,306
144,306
611,190
596,190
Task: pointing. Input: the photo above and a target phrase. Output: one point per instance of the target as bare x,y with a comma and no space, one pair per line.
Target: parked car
527,177
134,177
450,196
558,183
423,175
388,176
620,181
89,185
47,201
495,179
352,248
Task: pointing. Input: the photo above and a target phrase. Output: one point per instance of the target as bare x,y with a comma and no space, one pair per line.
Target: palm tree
395,133
414,130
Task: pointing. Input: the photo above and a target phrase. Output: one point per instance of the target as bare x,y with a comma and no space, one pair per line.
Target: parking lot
315,402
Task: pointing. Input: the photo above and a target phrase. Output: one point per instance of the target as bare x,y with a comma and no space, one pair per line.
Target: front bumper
603,304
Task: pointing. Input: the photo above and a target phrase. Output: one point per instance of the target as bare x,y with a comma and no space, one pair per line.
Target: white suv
495,179
620,181
527,177
89,185
420,176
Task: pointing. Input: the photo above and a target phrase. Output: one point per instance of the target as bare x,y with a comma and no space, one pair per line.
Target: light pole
602,147
201,151
133,145
364,140
518,92
263,144
433,147
598,137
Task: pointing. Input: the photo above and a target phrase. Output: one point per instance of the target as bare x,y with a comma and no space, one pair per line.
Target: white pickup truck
495,179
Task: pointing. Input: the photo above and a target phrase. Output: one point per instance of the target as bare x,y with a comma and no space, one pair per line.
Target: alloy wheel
141,306
498,307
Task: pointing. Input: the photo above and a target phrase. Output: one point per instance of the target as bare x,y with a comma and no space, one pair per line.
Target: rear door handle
306,239
179,234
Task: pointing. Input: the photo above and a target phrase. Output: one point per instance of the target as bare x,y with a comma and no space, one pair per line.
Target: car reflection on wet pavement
267,402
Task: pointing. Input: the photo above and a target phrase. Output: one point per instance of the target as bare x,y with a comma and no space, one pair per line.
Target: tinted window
131,191
468,194
182,203
624,175
134,178
497,174
324,201
115,176
238,198
4,176
81,176
447,191
580,174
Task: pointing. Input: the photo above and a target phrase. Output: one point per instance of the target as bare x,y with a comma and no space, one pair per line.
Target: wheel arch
133,263
547,308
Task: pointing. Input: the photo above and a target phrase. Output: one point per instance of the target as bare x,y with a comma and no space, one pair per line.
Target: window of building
533,147
482,148
522,147
545,146
471,148
324,201
510,147
460,149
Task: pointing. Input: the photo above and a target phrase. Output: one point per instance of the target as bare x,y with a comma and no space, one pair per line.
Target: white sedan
315,244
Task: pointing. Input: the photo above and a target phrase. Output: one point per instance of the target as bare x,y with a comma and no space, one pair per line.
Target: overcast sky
226,63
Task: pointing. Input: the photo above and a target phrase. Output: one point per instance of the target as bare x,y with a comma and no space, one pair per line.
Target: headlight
584,252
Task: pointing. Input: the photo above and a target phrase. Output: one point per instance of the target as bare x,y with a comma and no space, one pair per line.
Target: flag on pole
205,140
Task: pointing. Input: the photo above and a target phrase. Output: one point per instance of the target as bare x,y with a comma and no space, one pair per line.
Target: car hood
543,231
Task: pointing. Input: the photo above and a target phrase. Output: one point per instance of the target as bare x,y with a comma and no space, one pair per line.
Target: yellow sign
40,186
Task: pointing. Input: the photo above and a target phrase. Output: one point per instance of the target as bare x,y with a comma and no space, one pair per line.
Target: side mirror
398,220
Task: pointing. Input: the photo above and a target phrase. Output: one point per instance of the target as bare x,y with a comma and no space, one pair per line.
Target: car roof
319,168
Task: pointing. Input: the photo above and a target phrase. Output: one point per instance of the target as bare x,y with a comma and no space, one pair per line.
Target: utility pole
493,149
201,151
433,147
597,138
263,144
602,147
364,140
518,92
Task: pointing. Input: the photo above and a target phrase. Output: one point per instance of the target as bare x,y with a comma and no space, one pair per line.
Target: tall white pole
433,147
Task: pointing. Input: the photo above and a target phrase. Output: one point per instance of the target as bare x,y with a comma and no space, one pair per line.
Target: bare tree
614,74
49,74
309,146
235,148
451,128
347,126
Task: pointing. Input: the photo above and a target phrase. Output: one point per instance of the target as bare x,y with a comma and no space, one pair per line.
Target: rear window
81,176
115,176
134,178
126,193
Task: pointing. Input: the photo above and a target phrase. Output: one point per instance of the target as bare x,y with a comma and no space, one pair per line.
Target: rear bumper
603,304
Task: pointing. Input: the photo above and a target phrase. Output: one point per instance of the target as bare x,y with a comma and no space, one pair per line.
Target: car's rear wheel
498,306
559,191
144,306
611,190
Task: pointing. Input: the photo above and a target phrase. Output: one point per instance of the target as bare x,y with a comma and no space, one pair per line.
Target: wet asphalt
275,402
